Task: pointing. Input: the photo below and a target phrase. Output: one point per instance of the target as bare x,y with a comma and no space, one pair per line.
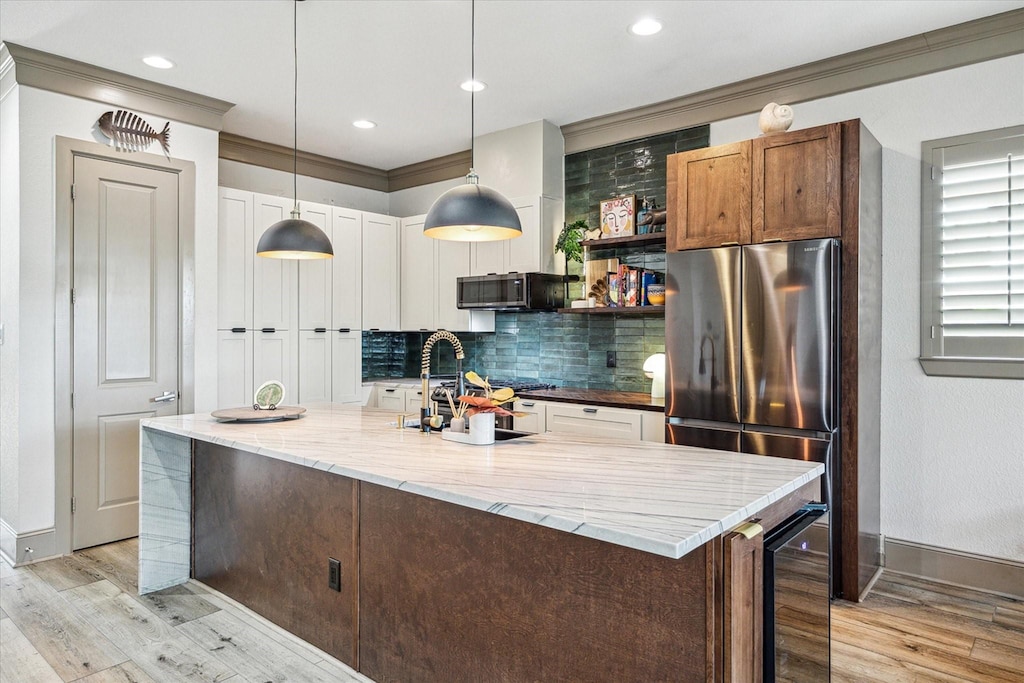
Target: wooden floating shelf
616,310
632,240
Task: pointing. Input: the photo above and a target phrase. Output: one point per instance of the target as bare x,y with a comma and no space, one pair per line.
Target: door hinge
72,193
74,505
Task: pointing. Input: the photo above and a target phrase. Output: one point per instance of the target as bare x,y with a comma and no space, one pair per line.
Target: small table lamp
654,367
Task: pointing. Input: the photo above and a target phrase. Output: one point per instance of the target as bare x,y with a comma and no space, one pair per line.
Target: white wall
44,115
952,449
279,183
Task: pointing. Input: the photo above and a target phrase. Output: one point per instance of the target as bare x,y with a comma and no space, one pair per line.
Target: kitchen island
551,557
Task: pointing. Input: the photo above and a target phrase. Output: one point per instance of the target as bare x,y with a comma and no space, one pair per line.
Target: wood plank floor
78,618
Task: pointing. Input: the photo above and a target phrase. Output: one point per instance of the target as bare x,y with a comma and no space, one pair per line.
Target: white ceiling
399,62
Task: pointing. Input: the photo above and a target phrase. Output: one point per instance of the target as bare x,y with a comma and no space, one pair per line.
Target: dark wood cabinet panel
454,594
742,609
708,197
797,185
263,531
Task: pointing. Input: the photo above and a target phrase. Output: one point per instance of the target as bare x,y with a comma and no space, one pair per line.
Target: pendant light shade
294,238
472,212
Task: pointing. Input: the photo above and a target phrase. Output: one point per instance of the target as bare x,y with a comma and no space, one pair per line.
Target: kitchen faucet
428,346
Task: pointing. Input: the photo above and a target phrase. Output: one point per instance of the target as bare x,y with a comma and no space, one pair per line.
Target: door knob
165,397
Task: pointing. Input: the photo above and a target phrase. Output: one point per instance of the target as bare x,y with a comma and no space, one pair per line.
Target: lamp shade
294,238
654,367
472,213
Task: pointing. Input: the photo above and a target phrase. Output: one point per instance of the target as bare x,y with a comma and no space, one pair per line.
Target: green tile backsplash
565,349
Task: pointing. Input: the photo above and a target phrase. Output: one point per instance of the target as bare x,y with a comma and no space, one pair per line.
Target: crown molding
430,171
975,41
70,77
268,155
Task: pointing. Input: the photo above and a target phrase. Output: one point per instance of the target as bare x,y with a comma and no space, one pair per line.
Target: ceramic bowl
656,295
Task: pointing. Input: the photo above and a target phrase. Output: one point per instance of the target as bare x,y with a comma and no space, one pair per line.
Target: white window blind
973,254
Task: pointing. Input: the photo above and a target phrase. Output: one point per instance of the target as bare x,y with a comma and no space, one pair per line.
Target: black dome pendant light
294,238
472,212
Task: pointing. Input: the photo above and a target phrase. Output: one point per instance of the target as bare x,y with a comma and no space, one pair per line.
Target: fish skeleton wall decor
130,133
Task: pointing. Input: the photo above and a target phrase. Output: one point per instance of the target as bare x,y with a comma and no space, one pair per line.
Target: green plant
569,241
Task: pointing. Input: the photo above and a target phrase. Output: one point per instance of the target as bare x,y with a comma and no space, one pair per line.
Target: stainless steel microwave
512,292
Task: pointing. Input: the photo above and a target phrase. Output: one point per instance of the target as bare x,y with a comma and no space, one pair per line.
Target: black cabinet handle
389,391
344,329
269,330
238,330
528,404
320,329
590,410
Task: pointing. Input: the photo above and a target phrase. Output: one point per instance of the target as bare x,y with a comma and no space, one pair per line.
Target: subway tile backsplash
567,349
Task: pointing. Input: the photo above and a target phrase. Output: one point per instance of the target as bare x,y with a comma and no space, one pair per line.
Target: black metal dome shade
294,238
472,213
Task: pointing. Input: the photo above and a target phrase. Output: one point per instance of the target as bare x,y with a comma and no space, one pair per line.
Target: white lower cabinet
314,366
391,398
614,423
535,418
652,426
234,368
274,358
413,401
330,367
346,366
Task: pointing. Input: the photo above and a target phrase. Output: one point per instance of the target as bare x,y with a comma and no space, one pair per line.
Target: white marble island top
658,498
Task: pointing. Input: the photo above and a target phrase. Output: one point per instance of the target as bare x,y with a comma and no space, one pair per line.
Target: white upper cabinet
314,300
347,268
380,277
235,251
533,251
274,280
419,270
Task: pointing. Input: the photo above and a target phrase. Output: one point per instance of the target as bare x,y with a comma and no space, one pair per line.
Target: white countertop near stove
658,498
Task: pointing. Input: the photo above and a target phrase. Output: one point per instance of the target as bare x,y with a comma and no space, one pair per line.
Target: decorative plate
268,396
253,415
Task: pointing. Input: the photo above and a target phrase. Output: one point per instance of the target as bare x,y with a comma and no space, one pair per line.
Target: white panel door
234,369
347,367
489,258
274,359
274,280
347,270
380,285
418,268
126,312
524,251
314,300
452,263
315,374
235,251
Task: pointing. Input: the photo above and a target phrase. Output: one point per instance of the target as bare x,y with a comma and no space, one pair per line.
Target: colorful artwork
618,217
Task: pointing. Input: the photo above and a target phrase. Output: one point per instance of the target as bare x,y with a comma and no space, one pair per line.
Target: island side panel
165,510
454,594
264,530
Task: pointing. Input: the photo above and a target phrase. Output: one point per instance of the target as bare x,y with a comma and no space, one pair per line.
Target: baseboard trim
994,575
29,547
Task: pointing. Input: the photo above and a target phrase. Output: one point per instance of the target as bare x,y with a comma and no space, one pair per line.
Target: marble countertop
658,498
599,397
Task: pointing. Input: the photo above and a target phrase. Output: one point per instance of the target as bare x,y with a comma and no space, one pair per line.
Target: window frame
934,358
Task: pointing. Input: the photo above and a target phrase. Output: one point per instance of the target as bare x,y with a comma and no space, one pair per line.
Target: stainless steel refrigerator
752,344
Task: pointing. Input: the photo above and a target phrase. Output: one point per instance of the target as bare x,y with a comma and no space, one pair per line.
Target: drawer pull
237,330
389,391
320,330
528,404
590,410
344,329
269,330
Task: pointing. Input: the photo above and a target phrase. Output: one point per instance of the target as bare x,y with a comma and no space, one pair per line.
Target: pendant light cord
295,105
472,84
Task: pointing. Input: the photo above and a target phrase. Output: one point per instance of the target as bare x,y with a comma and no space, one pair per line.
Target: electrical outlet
333,574
611,359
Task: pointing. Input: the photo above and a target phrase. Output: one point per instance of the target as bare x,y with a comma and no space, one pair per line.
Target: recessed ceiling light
473,86
363,123
158,62
645,27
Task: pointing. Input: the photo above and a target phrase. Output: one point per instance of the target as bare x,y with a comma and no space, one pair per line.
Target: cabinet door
489,258
274,359
796,178
347,367
234,369
391,398
652,427
524,251
274,280
347,269
613,423
380,286
742,608
314,297
534,420
708,197
419,275
314,367
413,400
452,263
235,253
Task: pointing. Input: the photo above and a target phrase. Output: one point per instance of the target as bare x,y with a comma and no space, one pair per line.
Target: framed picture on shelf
618,217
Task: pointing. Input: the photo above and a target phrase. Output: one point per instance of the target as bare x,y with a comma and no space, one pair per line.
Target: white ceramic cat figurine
775,118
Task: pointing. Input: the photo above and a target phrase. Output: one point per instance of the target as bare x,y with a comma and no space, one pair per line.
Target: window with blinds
972,255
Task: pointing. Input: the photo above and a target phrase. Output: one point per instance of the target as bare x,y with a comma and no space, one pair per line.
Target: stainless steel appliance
500,421
752,343
511,292
796,599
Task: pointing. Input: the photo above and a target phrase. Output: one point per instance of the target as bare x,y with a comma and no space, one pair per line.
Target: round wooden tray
252,415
